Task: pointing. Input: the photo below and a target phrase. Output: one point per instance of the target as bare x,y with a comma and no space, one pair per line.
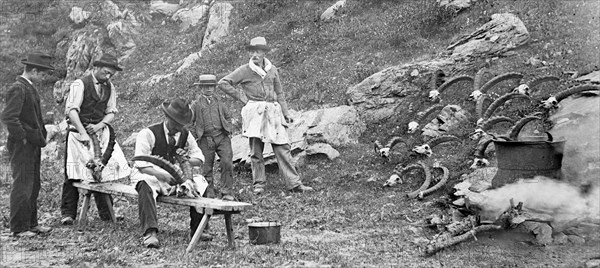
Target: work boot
150,240
228,197
26,234
67,220
301,188
40,229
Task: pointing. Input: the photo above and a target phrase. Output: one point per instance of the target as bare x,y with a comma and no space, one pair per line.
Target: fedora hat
206,80
178,110
258,43
108,60
38,59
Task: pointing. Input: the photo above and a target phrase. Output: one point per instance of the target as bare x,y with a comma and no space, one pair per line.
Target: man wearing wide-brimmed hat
265,114
26,135
165,139
212,124
90,107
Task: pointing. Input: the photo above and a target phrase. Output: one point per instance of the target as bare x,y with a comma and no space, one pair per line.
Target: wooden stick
436,246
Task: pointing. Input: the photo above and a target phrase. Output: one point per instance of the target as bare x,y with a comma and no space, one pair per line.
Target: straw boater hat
108,60
178,110
258,43
39,60
206,80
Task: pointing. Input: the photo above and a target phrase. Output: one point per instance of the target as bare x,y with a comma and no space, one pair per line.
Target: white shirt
144,143
75,98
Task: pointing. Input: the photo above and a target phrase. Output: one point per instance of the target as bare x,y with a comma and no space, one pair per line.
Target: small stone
560,239
577,240
414,73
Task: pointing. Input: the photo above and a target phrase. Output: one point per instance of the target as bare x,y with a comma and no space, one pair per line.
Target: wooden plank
127,190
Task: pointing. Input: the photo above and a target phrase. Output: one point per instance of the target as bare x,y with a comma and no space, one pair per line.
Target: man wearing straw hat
165,139
265,114
90,108
212,123
26,135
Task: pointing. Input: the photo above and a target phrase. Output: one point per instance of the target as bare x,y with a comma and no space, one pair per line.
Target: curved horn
494,81
490,122
377,146
395,140
566,93
163,164
441,139
454,80
480,152
536,81
111,145
436,76
479,76
516,129
425,184
442,182
490,110
479,106
424,114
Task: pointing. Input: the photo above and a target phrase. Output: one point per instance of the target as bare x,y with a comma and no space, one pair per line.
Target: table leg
109,203
229,227
84,208
198,232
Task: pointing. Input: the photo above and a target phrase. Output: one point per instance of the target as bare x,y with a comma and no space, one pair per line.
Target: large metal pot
528,158
264,232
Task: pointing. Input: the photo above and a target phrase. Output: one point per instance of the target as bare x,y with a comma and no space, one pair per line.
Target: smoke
567,204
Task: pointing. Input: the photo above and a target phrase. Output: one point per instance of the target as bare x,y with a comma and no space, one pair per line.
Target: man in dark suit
212,122
26,135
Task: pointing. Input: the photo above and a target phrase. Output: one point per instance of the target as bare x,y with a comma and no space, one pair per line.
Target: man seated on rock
165,139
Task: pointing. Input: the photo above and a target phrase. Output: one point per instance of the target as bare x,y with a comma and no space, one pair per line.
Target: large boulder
391,91
85,46
218,24
456,4
576,121
332,12
190,17
78,15
503,33
122,29
162,8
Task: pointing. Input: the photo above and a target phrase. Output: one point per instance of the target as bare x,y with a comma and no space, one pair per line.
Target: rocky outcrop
456,4
391,92
122,29
218,24
190,17
450,118
332,12
503,33
78,15
162,8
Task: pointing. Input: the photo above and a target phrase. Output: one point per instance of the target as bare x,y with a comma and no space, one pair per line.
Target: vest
161,147
92,108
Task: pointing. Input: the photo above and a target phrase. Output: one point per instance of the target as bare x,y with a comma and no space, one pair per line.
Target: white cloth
78,155
162,188
264,120
259,70
144,144
75,98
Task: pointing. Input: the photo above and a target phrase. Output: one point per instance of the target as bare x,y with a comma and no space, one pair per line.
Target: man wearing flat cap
26,135
265,114
166,139
91,106
212,124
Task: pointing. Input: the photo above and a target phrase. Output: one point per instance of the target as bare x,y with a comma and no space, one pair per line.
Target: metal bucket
264,232
527,158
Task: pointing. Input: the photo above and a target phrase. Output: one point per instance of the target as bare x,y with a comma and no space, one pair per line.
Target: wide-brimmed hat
108,60
38,59
206,80
178,110
258,43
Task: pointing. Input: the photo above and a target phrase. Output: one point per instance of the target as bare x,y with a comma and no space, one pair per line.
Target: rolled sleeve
144,143
111,106
193,148
75,97
280,94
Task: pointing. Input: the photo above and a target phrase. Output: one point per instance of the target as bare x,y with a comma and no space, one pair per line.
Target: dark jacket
23,114
224,115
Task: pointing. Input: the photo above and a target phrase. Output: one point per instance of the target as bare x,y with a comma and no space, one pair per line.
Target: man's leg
103,205
207,146
70,194
258,163
286,166
146,207
36,186
21,193
225,153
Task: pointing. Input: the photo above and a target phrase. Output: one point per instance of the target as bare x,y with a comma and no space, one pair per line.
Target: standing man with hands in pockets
264,115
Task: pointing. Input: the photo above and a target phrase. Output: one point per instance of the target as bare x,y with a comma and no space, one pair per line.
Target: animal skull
392,181
434,95
384,152
523,89
412,127
475,95
423,150
550,103
477,134
479,163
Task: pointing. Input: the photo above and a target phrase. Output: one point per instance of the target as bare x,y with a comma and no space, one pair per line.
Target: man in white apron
90,107
264,115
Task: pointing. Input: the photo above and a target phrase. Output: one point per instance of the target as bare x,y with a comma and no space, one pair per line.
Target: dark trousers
220,145
25,164
147,210
284,161
70,197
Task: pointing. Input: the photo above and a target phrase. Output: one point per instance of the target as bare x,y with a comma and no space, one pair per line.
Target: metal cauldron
527,158
264,232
